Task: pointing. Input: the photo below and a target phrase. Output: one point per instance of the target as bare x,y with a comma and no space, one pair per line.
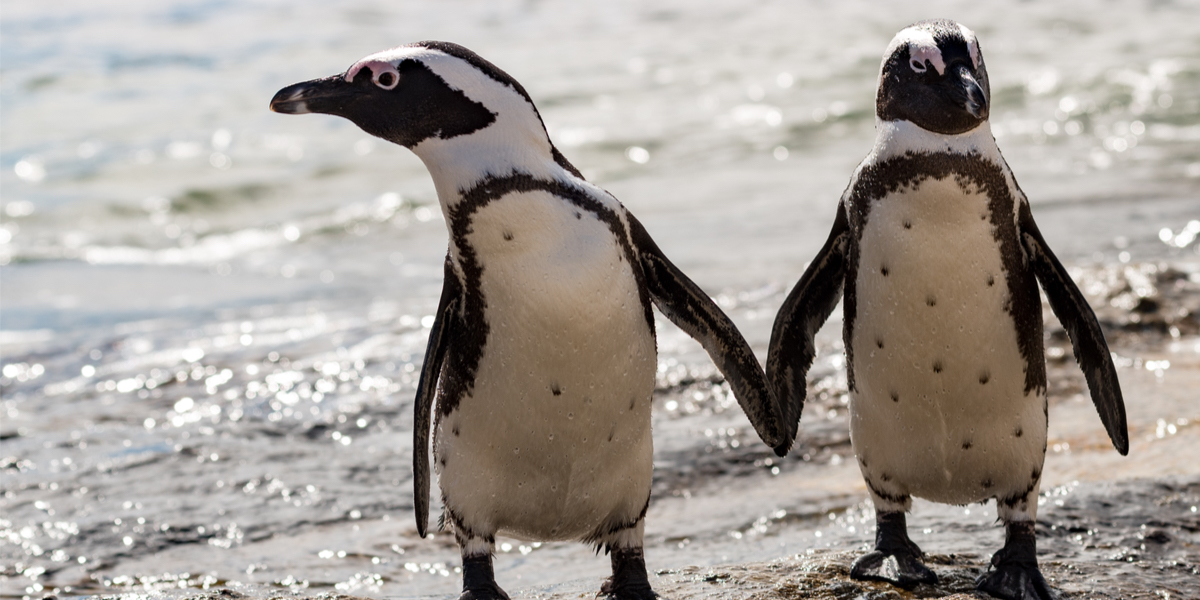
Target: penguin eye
917,65
386,80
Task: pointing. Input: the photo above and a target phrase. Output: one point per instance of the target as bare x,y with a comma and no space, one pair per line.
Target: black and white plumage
939,259
542,355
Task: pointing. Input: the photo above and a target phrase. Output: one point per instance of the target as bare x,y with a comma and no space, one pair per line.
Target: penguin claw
626,591
1015,582
484,592
900,569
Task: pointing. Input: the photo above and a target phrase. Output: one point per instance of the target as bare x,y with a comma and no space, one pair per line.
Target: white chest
940,402
555,436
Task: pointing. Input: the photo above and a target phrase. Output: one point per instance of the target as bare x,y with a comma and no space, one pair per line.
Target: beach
213,317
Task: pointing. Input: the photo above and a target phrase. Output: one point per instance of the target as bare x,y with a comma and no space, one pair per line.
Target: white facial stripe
377,68
921,46
387,59
972,44
516,141
457,73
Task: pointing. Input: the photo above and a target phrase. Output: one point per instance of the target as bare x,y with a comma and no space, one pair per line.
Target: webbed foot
629,580
479,581
896,559
492,592
1014,574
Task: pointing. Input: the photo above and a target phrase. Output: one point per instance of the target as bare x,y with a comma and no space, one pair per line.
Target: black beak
970,93
328,95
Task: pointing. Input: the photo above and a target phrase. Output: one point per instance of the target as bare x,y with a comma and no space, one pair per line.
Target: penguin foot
896,558
492,592
1015,582
1014,574
629,580
479,581
902,570
611,591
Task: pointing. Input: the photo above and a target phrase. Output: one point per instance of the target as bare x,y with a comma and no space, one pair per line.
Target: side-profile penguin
939,259
542,355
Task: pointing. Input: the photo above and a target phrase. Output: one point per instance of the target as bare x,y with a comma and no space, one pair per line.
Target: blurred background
212,316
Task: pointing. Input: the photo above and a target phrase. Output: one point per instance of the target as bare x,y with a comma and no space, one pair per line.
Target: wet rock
1146,298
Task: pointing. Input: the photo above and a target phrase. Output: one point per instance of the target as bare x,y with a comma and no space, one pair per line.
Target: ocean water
212,317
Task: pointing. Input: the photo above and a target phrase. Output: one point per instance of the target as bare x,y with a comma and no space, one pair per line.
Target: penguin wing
793,346
693,311
435,354
1076,316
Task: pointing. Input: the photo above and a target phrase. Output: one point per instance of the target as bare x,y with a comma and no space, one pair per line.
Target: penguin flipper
435,354
808,306
693,311
1076,316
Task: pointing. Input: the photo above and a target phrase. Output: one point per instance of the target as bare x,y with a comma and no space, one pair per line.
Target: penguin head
458,112
933,76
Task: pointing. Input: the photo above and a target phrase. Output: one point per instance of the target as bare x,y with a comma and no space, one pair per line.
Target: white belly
940,409
555,439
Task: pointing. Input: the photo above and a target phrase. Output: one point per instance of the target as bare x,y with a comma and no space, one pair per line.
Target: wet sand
1133,539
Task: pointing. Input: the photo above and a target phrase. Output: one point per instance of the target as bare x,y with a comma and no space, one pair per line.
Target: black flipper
793,347
693,311
435,354
1076,316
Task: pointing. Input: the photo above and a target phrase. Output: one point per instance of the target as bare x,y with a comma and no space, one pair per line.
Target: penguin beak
965,89
328,95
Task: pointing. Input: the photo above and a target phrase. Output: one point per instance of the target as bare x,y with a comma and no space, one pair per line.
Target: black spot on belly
884,270
862,460
879,343
555,389
984,377
907,224
632,402
443,462
578,215
967,445
885,477
456,430
991,280
986,483
876,181
508,236
937,366
611,431
930,300
895,397
1018,432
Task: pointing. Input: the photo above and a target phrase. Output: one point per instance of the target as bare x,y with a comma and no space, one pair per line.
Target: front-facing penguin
939,258
542,354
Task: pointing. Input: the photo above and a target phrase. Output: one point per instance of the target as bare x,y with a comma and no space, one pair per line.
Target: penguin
540,365
938,258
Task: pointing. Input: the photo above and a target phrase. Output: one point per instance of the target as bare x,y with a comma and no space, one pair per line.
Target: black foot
1014,574
896,559
493,592
479,581
629,580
